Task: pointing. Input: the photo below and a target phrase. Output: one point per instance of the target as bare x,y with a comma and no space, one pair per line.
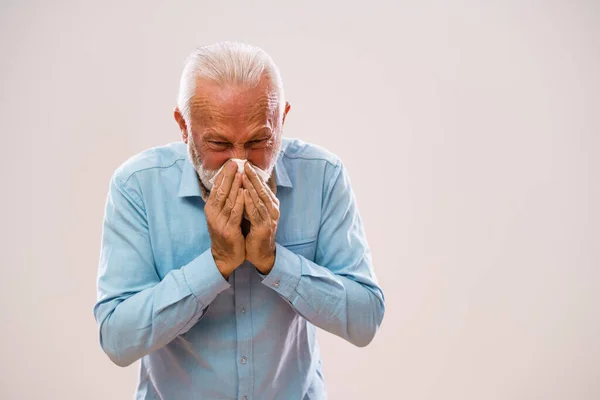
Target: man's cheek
213,160
261,157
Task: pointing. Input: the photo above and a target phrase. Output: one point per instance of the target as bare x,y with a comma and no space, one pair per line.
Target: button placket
242,289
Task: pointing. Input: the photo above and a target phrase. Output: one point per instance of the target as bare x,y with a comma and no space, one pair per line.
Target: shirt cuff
204,278
286,272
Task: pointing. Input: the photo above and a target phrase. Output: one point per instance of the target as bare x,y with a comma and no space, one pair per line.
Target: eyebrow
212,135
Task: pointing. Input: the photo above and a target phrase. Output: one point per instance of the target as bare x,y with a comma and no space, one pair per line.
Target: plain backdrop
471,133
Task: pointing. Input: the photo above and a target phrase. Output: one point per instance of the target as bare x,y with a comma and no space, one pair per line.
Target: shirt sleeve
136,311
339,291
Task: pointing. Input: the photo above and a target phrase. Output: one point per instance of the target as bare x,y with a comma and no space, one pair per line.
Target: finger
221,175
260,207
261,189
269,191
253,215
219,178
237,213
232,197
272,195
274,204
218,194
265,193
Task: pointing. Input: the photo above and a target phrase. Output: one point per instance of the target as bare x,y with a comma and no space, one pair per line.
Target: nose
240,152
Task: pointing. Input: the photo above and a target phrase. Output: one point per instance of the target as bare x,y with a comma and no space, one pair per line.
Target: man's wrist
265,267
223,266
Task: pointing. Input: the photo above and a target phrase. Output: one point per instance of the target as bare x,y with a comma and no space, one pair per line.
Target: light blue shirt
162,299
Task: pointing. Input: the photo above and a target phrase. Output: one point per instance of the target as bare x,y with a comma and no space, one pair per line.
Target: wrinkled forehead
231,103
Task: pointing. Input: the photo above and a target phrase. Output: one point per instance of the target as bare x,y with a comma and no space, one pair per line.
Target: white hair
228,63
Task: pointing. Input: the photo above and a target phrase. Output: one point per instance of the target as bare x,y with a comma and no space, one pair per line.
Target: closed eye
257,141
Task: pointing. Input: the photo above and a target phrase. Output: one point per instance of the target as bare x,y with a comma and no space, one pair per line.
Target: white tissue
240,163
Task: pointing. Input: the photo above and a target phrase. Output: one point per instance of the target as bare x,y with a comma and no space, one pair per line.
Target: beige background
471,132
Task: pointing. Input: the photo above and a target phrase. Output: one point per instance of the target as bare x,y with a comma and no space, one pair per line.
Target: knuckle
219,194
226,235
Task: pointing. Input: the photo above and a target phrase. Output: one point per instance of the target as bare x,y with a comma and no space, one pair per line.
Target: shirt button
243,360
276,283
243,310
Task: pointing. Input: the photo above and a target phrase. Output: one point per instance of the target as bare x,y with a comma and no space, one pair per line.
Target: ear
182,125
287,110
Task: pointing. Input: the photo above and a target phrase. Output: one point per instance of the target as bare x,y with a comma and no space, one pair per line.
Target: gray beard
205,175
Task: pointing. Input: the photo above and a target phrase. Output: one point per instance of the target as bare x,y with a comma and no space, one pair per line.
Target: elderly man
220,258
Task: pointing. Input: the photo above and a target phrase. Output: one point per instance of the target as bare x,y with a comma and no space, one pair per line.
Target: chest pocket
306,248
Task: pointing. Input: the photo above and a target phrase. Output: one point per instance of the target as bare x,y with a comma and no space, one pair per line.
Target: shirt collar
190,184
282,178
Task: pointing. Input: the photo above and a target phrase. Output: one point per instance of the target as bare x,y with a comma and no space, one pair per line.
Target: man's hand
262,208
224,209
